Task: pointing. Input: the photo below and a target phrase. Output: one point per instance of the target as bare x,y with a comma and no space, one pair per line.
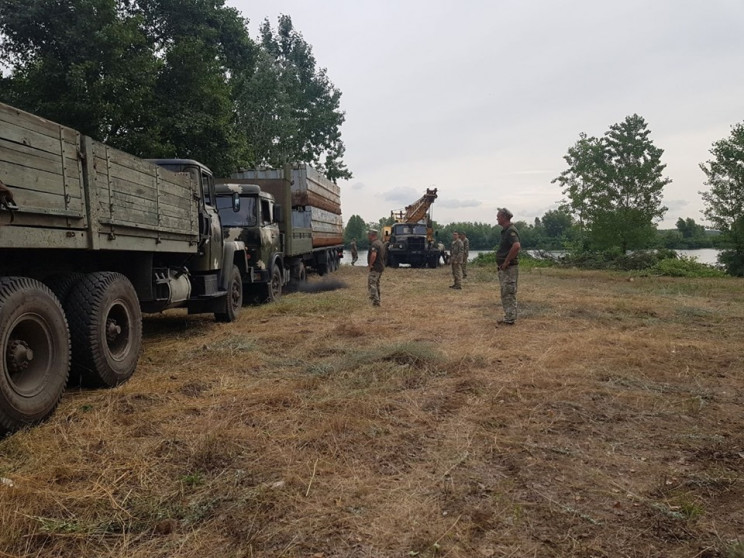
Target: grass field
607,423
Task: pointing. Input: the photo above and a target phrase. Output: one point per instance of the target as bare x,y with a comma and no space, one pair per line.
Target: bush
733,261
685,267
615,259
526,260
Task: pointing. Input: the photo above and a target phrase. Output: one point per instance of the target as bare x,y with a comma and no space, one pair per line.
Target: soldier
507,260
376,265
466,250
354,251
456,251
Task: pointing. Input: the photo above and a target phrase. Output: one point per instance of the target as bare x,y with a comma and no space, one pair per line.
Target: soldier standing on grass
456,252
465,252
376,265
507,260
354,251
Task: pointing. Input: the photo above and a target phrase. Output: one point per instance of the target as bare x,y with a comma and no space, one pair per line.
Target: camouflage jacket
457,252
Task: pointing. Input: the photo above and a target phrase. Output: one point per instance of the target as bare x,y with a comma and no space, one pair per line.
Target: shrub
526,260
685,267
733,261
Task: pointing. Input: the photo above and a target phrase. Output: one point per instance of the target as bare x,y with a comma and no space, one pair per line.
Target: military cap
505,212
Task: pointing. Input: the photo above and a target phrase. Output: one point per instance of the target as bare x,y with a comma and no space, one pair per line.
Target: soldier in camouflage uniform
456,253
507,260
465,253
376,265
354,251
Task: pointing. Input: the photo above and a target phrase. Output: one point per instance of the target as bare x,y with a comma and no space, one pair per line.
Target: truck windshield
410,229
246,217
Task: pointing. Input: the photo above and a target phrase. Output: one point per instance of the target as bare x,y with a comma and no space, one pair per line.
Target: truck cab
412,243
251,215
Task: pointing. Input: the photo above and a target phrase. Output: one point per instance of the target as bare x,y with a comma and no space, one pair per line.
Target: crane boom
418,210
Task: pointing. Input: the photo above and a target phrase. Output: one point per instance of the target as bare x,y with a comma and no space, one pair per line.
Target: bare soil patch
606,423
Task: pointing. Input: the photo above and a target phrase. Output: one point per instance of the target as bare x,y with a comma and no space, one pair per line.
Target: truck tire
274,286
298,276
61,285
233,302
34,351
105,328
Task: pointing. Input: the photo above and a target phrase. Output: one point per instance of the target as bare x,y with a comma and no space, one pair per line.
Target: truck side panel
39,162
136,199
74,192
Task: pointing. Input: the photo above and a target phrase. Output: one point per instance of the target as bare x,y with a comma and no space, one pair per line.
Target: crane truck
410,239
290,222
91,237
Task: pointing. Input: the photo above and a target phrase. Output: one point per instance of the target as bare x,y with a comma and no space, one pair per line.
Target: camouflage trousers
465,266
457,275
373,286
508,281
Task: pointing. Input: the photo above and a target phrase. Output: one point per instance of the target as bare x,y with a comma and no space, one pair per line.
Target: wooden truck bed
76,193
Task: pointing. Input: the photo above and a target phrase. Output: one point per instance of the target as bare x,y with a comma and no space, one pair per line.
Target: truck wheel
34,352
233,302
61,285
299,276
274,286
392,262
105,327
299,273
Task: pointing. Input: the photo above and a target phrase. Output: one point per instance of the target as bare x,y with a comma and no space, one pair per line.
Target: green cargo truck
290,222
91,237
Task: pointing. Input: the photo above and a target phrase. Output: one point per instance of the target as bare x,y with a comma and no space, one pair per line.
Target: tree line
173,78
613,187
555,230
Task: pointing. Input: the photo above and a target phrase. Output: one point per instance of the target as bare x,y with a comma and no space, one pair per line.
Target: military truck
91,237
290,222
410,239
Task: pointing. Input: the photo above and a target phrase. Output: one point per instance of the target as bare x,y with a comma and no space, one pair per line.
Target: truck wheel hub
19,356
113,330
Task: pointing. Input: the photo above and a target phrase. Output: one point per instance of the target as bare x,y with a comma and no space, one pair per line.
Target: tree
689,228
356,228
84,63
614,185
311,113
173,78
724,201
557,222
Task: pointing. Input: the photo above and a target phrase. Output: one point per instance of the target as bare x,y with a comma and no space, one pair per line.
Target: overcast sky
483,98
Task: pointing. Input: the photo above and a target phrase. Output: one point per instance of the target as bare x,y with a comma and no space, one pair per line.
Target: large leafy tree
614,185
85,63
309,118
356,228
689,229
203,45
557,223
172,78
724,201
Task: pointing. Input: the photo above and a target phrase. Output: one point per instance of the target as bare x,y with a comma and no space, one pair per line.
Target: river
703,255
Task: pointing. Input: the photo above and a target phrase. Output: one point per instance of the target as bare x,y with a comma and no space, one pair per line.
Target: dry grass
606,423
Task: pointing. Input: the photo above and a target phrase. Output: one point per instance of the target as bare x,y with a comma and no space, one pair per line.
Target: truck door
269,231
214,245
